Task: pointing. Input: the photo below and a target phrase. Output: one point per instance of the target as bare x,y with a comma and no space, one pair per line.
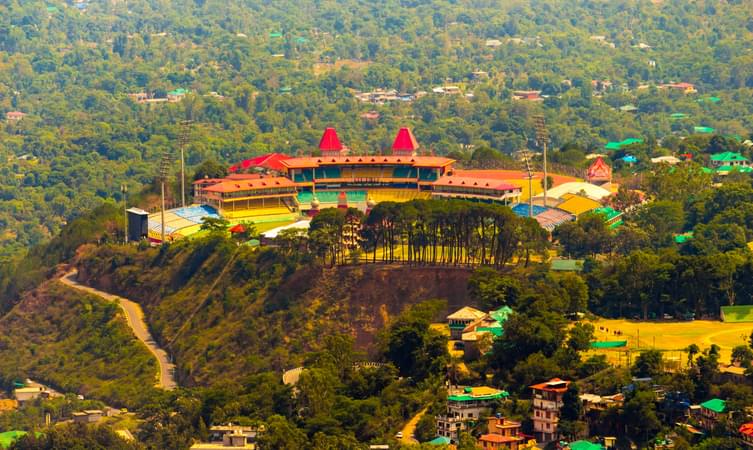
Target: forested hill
268,76
223,311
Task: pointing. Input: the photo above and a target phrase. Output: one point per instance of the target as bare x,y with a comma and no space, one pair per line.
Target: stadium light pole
182,142
164,165
124,191
542,138
527,161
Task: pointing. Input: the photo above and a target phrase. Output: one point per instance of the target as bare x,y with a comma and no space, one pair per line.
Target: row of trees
427,232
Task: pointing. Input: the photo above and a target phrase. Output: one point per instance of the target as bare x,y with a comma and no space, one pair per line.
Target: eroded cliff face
223,313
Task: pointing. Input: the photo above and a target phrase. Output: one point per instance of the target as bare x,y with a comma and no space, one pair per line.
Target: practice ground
672,337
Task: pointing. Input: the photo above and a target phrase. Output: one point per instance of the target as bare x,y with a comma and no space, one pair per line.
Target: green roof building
618,145
441,440
726,160
715,404
584,445
703,130
678,116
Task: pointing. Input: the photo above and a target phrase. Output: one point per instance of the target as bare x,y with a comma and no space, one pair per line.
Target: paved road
135,318
410,428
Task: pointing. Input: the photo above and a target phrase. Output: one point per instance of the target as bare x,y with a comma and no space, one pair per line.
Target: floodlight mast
542,139
163,168
183,139
527,161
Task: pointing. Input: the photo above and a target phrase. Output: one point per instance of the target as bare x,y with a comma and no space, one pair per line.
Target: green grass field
672,337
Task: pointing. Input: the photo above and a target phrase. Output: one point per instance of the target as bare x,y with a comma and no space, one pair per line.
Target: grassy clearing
671,337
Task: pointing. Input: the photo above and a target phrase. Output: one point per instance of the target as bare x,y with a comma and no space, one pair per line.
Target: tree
209,169
742,355
214,224
415,349
692,351
581,336
648,364
280,434
662,220
639,417
491,289
570,424
75,436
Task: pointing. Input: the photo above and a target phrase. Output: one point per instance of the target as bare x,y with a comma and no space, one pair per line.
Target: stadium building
275,189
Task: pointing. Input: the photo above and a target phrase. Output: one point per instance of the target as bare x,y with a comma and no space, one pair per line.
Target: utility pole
163,168
183,138
542,139
527,161
124,191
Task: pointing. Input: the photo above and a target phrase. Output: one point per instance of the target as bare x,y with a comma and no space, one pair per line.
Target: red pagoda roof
405,141
599,170
330,141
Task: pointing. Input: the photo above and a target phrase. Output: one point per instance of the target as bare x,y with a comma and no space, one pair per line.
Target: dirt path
135,318
410,428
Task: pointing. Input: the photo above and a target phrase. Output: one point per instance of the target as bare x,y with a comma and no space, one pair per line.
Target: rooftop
481,183
553,385
477,393
415,161
466,313
715,404
245,185
728,157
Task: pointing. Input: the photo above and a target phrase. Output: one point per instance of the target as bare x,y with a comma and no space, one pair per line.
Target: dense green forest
282,71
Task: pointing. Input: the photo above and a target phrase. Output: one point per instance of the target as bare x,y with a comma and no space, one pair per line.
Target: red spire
405,142
330,141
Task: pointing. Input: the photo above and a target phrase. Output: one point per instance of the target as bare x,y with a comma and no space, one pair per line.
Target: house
229,437
547,401
685,88
500,434
732,374
746,434
176,95
26,394
479,335
532,96
712,411
370,115
88,416
14,116
465,406
593,402
493,43
461,319
671,160
732,159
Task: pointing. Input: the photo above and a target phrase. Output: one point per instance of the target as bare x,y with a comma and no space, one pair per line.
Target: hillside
77,343
265,312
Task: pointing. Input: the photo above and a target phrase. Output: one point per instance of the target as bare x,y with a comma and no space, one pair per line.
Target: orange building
501,434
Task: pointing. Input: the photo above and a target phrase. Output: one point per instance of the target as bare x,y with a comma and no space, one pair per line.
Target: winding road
135,318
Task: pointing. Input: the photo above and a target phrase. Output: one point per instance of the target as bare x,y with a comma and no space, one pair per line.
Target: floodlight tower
542,139
163,169
183,139
527,161
124,191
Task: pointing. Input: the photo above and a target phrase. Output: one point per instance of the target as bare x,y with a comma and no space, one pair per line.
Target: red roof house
405,143
270,161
